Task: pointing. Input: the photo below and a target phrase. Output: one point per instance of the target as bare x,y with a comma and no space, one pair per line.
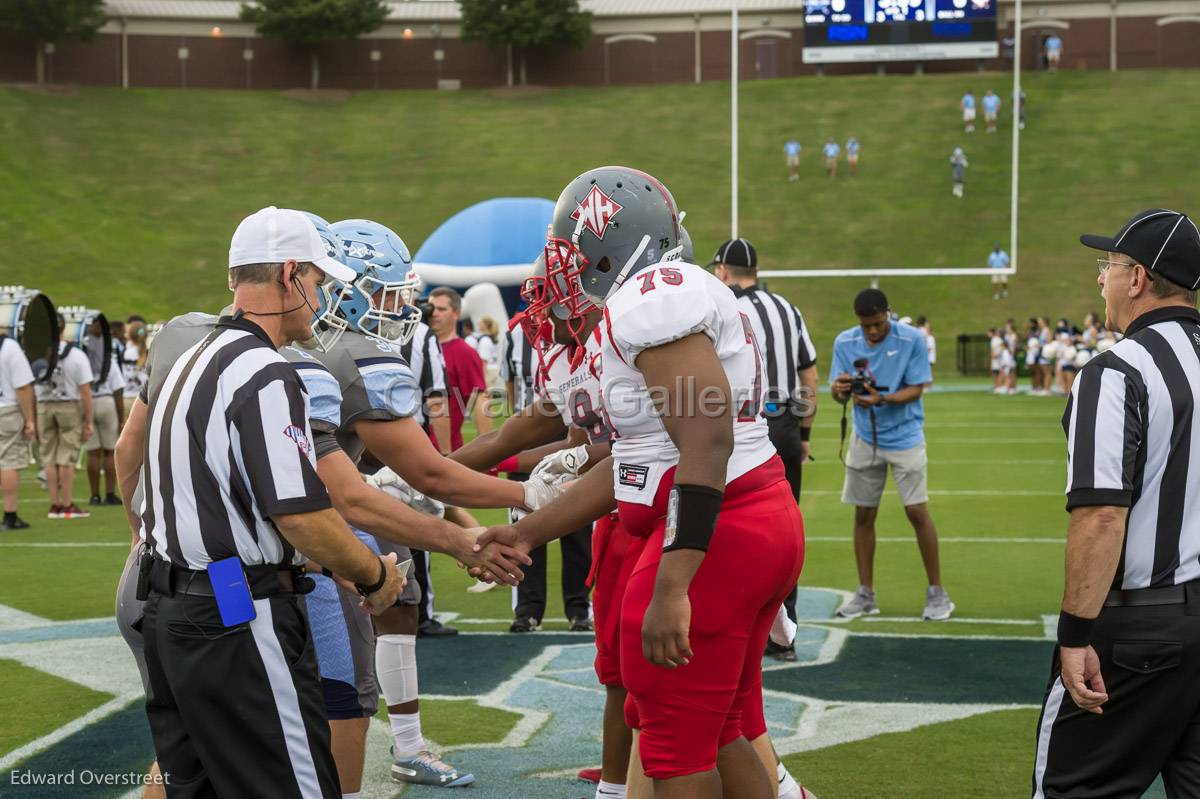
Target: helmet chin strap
624,273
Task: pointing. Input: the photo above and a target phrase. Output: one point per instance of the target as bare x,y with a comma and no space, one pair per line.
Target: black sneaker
581,624
525,624
112,499
435,629
14,523
787,654
95,500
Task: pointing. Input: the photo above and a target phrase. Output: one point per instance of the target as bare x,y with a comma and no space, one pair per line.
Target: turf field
890,707
125,201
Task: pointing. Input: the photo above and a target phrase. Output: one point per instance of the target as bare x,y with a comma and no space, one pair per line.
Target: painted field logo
297,435
596,211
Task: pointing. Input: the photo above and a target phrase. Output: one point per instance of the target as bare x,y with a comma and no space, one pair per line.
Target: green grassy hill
126,200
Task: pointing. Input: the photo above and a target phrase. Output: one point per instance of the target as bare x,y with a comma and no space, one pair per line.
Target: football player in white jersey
682,385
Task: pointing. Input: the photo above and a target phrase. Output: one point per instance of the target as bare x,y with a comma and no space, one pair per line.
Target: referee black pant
1150,663
784,433
236,712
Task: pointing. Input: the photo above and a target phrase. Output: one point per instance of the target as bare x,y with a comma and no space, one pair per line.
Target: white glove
394,485
540,492
562,465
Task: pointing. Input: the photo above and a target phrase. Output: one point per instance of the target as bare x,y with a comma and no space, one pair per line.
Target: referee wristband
805,433
366,590
691,517
1073,631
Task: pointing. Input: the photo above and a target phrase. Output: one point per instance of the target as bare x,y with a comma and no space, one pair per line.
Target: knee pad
396,667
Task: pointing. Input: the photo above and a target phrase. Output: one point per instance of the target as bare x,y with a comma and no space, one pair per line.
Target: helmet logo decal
360,250
596,211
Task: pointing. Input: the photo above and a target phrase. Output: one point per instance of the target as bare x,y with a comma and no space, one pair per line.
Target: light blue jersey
968,101
831,149
991,103
792,148
1054,44
852,147
998,259
900,360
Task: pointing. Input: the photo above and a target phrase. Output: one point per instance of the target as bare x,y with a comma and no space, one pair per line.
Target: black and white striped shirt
423,354
782,338
1133,440
228,446
518,363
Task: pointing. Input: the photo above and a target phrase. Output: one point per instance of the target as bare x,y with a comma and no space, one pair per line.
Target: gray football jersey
177,337
372,377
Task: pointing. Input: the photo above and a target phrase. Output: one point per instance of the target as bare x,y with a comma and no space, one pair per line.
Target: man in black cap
790,380
1129,631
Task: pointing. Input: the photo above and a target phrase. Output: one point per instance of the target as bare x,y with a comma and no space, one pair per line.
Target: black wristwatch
366,590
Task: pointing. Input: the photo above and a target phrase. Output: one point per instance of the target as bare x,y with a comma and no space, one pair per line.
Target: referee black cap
1165,242
736,252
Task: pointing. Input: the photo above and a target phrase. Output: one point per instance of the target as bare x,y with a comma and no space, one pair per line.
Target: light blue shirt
831,149
792,148
898,361
1054,44
968,100
852,147
991,103
998,259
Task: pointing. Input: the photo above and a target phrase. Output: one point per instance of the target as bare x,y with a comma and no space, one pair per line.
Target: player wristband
1074,631
366,590
508,464
691,517
805,433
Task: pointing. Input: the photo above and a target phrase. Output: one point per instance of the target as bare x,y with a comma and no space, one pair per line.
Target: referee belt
264,581
1145,597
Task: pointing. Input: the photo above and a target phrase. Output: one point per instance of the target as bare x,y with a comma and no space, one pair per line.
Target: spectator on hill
852,155
967,104
991,108
958,170
791,152
998,259
831,150
1054,47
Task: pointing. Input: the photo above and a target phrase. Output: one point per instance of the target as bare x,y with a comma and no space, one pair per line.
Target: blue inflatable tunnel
495,241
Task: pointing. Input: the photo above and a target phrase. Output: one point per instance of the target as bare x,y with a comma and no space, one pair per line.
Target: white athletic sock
406,730
610,790
788,787
355,795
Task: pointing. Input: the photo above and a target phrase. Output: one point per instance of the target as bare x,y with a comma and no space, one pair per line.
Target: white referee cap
274,235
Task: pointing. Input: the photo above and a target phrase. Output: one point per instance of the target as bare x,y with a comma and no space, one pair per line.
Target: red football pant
614,554
754,559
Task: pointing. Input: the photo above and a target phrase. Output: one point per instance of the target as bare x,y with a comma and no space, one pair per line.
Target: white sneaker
938,606
861,604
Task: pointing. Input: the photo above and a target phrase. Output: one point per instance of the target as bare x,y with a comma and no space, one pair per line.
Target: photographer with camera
883,366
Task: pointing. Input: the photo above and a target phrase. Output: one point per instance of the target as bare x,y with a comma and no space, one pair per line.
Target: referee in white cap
791,374
1123,702
231,499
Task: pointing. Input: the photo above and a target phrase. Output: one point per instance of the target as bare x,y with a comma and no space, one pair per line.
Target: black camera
426,308
862,380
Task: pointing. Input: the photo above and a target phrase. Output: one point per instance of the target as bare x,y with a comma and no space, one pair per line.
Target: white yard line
67,730
65,544
896,539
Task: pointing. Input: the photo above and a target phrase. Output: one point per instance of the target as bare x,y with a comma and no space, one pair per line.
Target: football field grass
889,706
125,200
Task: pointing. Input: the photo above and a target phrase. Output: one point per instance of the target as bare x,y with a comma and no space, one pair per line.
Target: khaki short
793,160
866,474
59,431
14,449
104,422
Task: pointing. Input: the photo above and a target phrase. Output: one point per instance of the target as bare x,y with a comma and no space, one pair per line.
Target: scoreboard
839,31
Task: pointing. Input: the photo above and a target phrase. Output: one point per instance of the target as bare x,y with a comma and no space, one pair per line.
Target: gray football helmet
609,224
